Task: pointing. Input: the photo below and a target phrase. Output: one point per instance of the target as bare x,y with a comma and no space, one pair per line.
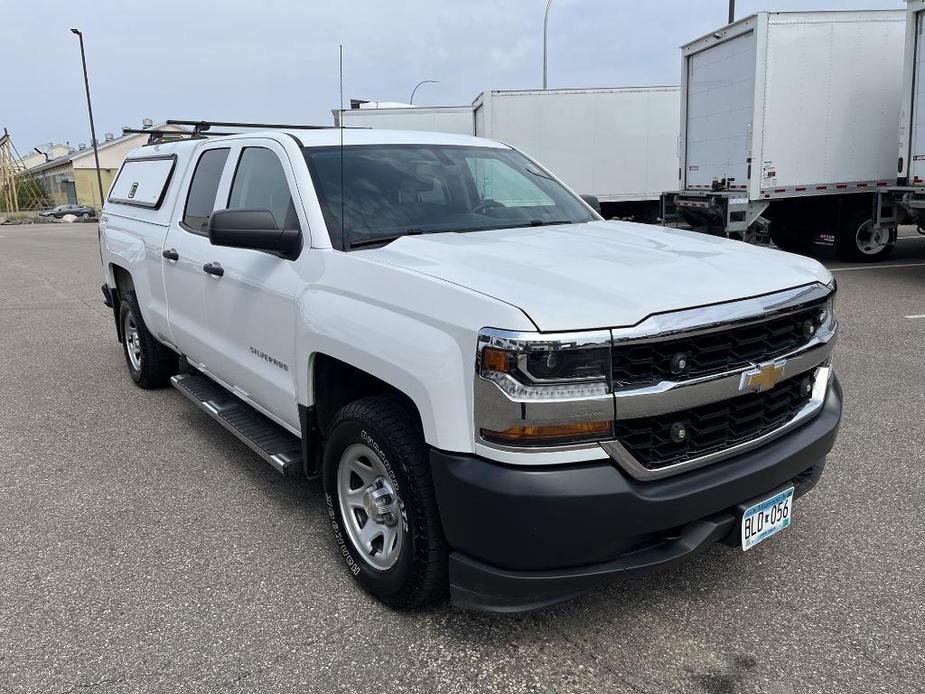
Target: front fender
414,332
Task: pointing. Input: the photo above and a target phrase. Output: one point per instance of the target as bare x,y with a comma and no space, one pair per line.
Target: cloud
277,61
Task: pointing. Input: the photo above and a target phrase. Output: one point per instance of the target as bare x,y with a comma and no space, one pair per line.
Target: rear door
917,165
185,252
720,107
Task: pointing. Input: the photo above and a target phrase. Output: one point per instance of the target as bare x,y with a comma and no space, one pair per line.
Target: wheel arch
334,383
121,283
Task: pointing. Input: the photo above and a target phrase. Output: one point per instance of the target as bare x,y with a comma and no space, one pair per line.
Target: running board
266,438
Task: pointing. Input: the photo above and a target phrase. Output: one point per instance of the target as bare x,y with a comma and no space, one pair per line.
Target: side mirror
253,229
592,201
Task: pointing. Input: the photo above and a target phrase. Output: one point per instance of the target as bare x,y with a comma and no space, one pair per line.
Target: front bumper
526,537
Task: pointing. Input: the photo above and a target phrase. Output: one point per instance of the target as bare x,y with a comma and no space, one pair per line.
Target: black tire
387,426
156,363
850,242
791,239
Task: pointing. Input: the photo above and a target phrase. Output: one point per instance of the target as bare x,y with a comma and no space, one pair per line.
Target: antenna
341,121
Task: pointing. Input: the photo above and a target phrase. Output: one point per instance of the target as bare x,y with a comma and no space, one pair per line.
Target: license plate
766,518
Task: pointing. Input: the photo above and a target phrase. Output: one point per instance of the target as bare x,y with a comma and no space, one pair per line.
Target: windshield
390,191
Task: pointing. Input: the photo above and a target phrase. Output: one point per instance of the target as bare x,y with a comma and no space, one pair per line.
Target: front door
250,310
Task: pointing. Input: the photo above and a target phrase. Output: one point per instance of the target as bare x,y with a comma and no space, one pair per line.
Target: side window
200,201
260,184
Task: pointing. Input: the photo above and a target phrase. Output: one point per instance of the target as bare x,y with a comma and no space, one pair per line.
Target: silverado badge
763,377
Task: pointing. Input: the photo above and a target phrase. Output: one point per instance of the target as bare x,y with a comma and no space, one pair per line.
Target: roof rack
201,126
157,136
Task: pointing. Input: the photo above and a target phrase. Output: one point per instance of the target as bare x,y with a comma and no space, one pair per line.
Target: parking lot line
875,267
918,315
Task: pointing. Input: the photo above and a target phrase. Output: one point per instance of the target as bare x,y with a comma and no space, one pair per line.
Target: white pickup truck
507,398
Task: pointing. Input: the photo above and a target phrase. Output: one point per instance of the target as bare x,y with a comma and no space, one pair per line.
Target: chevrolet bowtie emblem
763,377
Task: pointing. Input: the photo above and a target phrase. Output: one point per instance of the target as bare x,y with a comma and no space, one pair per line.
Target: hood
600,274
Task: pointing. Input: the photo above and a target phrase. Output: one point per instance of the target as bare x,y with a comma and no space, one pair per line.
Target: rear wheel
381,502
150,364
791,239
858,241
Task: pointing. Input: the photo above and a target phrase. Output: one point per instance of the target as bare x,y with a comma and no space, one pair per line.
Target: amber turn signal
550,434
494,359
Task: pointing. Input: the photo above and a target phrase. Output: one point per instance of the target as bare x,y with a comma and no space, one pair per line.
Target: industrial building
71,177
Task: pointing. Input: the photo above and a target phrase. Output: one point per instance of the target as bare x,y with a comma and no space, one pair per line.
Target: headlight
825,318
535,366
827,314
541,375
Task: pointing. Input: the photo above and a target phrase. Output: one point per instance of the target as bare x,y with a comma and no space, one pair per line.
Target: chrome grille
641,363
713,427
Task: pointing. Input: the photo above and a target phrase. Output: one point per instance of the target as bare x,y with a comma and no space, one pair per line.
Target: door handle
171,254
213,269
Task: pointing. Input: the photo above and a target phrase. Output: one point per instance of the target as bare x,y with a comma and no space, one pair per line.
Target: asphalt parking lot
142,549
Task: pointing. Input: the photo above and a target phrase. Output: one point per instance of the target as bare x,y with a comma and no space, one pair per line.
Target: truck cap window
200,202
260,184
397,190
143,181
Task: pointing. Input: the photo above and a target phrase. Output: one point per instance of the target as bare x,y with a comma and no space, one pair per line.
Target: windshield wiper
386,239
393,237
550,222
538,174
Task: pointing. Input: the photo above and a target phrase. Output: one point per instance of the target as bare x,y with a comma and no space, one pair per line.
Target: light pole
732,11
545,40
411,100
96,154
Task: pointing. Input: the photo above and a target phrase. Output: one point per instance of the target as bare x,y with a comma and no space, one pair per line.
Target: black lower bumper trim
479,586
527,537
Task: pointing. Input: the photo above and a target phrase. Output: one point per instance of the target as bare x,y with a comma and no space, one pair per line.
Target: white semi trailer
617,144
904,202
788,129
438,119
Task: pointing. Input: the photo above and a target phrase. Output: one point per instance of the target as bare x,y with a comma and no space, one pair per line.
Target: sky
273,61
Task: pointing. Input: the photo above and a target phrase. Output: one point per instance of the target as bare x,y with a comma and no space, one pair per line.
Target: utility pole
96,154
546,41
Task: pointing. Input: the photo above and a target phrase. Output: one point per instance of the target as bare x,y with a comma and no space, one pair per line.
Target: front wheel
381,502
858,241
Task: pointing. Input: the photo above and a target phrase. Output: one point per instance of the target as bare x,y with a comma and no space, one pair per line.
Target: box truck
904,202
788,129
617,144
396,116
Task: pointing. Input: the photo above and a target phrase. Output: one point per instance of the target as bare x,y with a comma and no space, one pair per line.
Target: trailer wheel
858,242
790,239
